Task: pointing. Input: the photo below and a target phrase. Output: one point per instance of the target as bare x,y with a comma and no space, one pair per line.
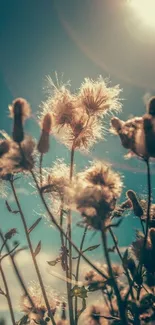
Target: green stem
32,254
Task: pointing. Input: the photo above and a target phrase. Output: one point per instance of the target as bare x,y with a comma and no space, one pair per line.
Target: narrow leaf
38,248
34,225
91,248
53,263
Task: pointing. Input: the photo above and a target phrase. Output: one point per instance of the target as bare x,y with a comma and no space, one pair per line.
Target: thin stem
32,254
139,268
8,295
53,220
114,283
69,231
61,224
40,169
77,273
149,202
19,277
121,258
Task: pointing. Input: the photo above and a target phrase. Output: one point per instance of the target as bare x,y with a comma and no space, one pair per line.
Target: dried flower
97,98
19,110
77,117
95,191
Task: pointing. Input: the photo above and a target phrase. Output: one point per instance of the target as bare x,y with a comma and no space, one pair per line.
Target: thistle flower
94,193
77,117
19,111
43,144
97,98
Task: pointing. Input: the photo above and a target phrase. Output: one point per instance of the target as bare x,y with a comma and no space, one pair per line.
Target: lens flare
145,9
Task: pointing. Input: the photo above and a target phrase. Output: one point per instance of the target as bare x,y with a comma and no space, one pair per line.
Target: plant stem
8,295
40,169
139,268
53,220
69,231
19,277
149,202
77,273
119,254
32,254
121,305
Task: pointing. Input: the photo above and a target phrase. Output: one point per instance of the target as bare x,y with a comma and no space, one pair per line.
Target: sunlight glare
145,9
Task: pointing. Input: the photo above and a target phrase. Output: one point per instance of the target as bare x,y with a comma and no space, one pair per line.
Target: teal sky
78,39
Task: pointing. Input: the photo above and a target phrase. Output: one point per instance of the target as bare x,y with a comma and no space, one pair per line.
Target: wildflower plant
78,121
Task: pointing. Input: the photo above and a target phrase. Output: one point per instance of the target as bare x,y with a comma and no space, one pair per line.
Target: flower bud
151,106
19,110
43,144
138,211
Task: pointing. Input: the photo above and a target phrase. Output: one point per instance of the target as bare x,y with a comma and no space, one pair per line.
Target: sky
75,39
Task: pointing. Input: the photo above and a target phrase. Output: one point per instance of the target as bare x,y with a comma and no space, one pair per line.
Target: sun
145,9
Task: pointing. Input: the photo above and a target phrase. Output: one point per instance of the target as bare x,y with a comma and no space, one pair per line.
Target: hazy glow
145,9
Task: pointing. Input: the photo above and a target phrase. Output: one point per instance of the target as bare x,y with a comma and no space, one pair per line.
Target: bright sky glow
145,9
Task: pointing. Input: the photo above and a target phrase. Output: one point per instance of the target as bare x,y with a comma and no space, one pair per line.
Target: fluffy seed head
94,193
98,98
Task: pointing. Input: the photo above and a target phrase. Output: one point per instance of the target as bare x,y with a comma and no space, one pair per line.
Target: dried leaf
53,263
34,225
38,248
